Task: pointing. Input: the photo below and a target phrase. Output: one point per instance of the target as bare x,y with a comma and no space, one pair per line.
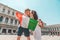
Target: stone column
1,7
1,31
17,22
6,31
13,22
4,19
12,31
9,21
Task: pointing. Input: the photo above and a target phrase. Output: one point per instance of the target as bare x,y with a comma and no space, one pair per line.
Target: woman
37,32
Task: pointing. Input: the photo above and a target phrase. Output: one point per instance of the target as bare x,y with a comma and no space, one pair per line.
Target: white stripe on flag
25,21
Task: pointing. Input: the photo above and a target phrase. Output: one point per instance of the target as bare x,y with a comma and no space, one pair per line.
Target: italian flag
26,22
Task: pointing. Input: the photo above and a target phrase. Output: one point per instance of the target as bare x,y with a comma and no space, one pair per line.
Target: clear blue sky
48,10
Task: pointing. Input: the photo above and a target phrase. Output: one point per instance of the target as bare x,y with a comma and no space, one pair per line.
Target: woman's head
34,14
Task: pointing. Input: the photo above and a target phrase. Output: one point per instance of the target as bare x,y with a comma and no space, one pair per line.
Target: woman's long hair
35,15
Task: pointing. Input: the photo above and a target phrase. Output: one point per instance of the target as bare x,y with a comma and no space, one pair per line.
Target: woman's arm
40,24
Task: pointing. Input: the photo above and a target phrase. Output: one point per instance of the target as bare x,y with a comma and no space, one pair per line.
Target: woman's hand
40,23
31,32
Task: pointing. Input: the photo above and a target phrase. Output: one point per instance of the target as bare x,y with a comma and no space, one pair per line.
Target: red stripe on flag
19,17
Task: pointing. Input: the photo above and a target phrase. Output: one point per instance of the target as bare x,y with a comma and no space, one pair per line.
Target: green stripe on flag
32,24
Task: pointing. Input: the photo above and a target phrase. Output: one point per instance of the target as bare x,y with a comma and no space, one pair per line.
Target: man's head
27,12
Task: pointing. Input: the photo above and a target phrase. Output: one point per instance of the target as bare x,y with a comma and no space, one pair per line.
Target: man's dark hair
27,10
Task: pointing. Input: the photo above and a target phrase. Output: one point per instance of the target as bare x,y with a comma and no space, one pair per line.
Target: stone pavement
14,37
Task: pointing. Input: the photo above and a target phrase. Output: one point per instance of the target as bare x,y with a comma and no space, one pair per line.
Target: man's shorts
25,30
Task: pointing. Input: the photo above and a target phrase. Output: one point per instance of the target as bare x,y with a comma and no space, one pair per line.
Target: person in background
23,29
41,23
37,32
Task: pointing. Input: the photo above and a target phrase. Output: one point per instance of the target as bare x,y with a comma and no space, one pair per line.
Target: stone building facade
8,21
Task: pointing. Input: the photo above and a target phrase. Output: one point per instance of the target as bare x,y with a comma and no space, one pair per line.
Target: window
59,28
3,10
14,31
1,18
8,11
15,21
4,31
9,31
55,29
6,20
11,21
12,13
58,33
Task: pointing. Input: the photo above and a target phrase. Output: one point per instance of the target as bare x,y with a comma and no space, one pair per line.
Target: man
23,29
